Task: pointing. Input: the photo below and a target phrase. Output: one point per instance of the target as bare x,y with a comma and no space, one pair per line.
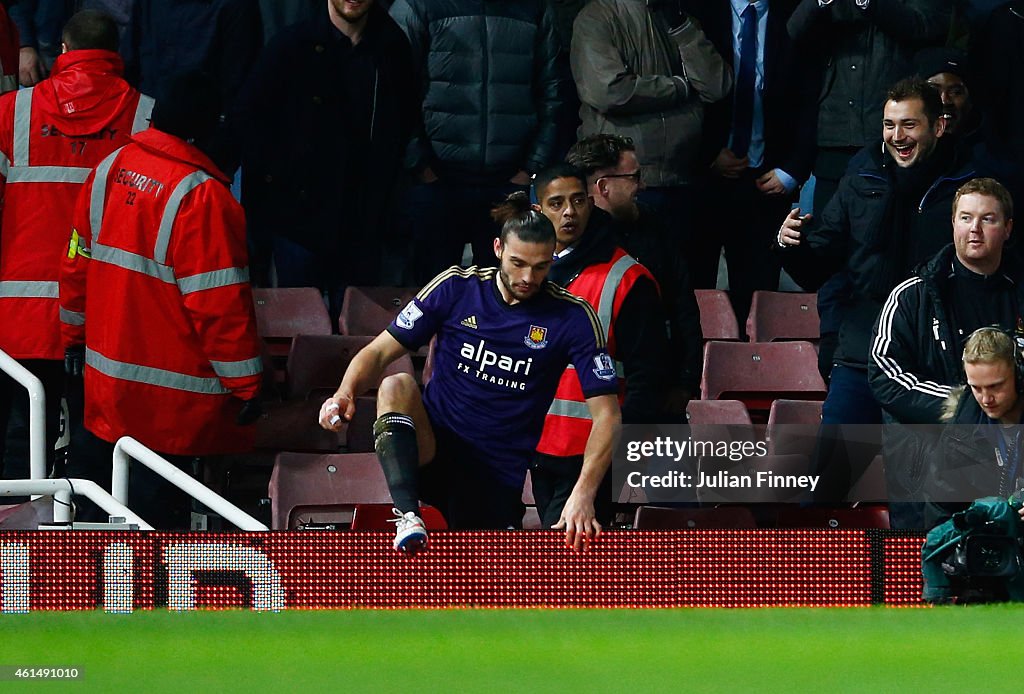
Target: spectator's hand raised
791,232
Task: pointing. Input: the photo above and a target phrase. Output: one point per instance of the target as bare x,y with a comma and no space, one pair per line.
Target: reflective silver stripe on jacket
238,369
47,174
618,270
22,125
152,376
611,284
21,289
133,262
184,187
71,317
569,408
143,113
213,280
99,192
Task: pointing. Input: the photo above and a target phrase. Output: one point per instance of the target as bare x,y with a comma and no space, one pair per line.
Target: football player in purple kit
504,337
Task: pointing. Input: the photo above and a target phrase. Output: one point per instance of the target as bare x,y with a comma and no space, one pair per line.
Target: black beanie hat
932,61
188,107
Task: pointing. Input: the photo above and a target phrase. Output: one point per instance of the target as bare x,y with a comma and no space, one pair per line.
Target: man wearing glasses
614,178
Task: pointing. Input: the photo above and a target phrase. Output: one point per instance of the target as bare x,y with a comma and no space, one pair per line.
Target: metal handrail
62,489
36,416
127,449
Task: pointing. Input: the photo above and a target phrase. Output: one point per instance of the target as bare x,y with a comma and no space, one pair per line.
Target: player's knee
397,393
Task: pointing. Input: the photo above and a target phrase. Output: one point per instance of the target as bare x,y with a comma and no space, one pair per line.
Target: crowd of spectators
370,139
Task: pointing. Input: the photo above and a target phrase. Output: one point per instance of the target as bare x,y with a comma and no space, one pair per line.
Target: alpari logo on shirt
536,338
409,315
482,358
605,367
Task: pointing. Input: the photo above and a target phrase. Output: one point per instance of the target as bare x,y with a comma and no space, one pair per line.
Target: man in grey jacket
490,91
643,70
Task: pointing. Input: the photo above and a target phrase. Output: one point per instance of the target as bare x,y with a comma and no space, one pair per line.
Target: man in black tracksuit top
920,333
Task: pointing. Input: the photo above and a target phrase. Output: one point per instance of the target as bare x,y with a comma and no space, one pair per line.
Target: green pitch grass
824,650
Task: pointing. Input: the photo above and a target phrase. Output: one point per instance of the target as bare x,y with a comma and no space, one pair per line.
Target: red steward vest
605,286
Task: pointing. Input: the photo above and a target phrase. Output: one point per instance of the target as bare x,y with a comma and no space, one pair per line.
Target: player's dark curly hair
518,217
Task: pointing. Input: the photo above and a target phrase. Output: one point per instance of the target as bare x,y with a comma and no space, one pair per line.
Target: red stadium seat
793,426
717,412
328,488
292,425
834,518
381,517
369,310
283,313
719,420
316,363
717,319
758,373
783,316
658,518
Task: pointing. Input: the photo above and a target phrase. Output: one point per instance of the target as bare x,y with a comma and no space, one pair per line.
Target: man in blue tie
757,142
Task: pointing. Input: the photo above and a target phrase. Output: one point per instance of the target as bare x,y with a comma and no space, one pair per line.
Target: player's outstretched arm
363,372
578,517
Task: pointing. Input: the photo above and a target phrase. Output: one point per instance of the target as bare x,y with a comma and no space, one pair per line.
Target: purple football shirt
496,366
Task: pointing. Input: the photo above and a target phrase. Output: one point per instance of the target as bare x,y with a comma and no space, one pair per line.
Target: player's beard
520,293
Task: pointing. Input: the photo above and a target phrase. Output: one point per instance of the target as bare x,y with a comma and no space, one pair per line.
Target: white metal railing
127,449
37,413
62,489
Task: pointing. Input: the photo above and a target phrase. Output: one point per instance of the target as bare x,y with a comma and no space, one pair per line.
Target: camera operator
980,454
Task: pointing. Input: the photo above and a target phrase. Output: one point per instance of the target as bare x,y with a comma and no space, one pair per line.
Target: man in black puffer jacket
490,88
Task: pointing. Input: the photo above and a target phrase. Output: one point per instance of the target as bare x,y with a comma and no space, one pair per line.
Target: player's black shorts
465,489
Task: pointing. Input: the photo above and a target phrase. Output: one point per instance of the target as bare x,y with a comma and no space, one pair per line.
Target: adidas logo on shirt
470,322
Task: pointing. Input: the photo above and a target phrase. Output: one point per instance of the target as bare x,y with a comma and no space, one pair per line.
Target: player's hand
728,165
791,231
30,68
579,522
335,411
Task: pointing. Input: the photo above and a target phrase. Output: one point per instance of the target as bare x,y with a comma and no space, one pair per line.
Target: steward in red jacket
51,136
625,296
156,285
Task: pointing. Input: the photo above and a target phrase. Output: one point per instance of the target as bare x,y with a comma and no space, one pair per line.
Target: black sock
394,439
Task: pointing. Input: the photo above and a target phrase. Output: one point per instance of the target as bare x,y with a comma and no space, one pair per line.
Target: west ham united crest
537,339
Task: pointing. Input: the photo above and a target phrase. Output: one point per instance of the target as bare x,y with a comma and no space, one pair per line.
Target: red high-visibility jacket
604,285
156,285
51,136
